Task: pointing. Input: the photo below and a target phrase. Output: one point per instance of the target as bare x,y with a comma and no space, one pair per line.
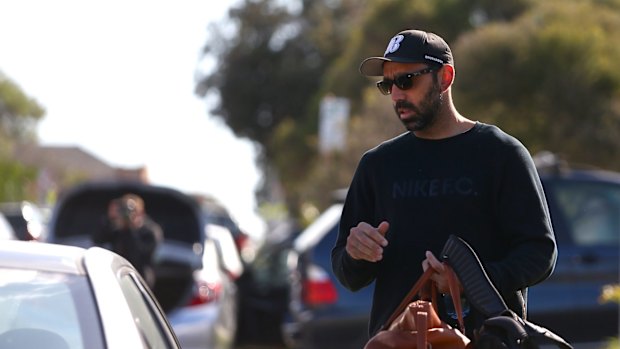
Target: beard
425,114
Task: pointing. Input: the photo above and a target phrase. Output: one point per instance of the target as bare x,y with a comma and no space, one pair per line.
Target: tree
18,116
268,76
383,18
16,181
18,112
549,78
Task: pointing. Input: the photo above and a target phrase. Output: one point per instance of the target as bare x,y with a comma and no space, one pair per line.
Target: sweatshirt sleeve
351,273
525,222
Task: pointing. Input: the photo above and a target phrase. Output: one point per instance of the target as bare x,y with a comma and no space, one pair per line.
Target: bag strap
423,281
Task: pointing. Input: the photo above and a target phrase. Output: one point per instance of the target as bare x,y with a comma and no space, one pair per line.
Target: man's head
417,73
410,46
126,210
131,205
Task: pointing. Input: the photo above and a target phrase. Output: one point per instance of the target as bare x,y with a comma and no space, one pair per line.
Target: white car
67,297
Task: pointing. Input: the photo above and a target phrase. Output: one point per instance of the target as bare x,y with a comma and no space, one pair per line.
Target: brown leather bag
416,325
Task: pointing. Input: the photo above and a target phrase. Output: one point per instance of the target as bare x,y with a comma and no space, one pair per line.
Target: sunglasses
403,81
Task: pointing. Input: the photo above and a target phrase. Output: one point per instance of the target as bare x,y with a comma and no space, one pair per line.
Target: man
446,175
131,234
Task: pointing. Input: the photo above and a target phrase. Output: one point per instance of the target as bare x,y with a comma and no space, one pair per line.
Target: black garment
481,185
136,245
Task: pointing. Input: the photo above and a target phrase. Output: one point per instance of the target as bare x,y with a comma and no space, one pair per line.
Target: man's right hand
367,242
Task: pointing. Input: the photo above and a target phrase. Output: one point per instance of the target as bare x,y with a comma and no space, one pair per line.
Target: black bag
508,330
502,328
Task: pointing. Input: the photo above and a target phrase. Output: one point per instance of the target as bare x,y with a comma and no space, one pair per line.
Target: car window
147,317
591,211
42,308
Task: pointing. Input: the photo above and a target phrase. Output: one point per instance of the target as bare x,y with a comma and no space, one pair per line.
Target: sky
116,79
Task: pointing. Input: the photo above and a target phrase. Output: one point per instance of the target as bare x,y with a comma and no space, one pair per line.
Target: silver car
67,297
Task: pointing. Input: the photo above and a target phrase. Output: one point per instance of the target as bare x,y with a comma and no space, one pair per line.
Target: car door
586,219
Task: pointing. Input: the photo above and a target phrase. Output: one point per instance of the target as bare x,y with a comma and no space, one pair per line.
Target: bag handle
421,322
424,280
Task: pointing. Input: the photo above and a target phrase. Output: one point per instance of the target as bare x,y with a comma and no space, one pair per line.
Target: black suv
585,210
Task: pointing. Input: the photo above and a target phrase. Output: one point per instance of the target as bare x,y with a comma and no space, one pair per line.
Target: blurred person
131,233
447,174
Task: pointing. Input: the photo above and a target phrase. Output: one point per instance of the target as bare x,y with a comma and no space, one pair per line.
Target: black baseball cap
410,46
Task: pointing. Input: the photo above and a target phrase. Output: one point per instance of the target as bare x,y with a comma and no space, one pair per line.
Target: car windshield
47,310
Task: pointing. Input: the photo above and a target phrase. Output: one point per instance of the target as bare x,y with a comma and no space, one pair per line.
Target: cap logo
394,44
433,59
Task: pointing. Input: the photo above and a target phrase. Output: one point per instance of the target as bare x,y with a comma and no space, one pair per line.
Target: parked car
191,285
323,313
64,297
26,218
585,211
264,290
217,214
221,268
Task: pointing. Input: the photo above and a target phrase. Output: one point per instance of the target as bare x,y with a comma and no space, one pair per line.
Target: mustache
401,104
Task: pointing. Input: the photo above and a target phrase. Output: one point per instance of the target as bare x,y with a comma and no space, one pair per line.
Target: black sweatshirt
481,185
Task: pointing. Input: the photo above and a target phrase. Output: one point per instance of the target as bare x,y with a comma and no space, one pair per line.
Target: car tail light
318,288
205,292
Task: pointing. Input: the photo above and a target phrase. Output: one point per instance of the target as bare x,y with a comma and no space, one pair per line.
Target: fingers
434,262
438,276
366,242
382,229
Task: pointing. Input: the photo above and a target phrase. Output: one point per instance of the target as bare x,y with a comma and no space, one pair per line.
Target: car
222,267
264,290
585,212
210,318
323,313
191,284
217,214
65,297
26,218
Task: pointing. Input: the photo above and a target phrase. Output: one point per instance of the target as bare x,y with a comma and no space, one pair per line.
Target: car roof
42,256
597,175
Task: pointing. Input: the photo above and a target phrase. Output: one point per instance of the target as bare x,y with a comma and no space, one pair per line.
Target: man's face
417,107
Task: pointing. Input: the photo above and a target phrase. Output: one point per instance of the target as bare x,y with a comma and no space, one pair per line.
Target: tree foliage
17,181
18,112
549,78
268,75
18,116
543,71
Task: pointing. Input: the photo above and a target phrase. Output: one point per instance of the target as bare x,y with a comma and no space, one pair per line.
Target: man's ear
447,77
